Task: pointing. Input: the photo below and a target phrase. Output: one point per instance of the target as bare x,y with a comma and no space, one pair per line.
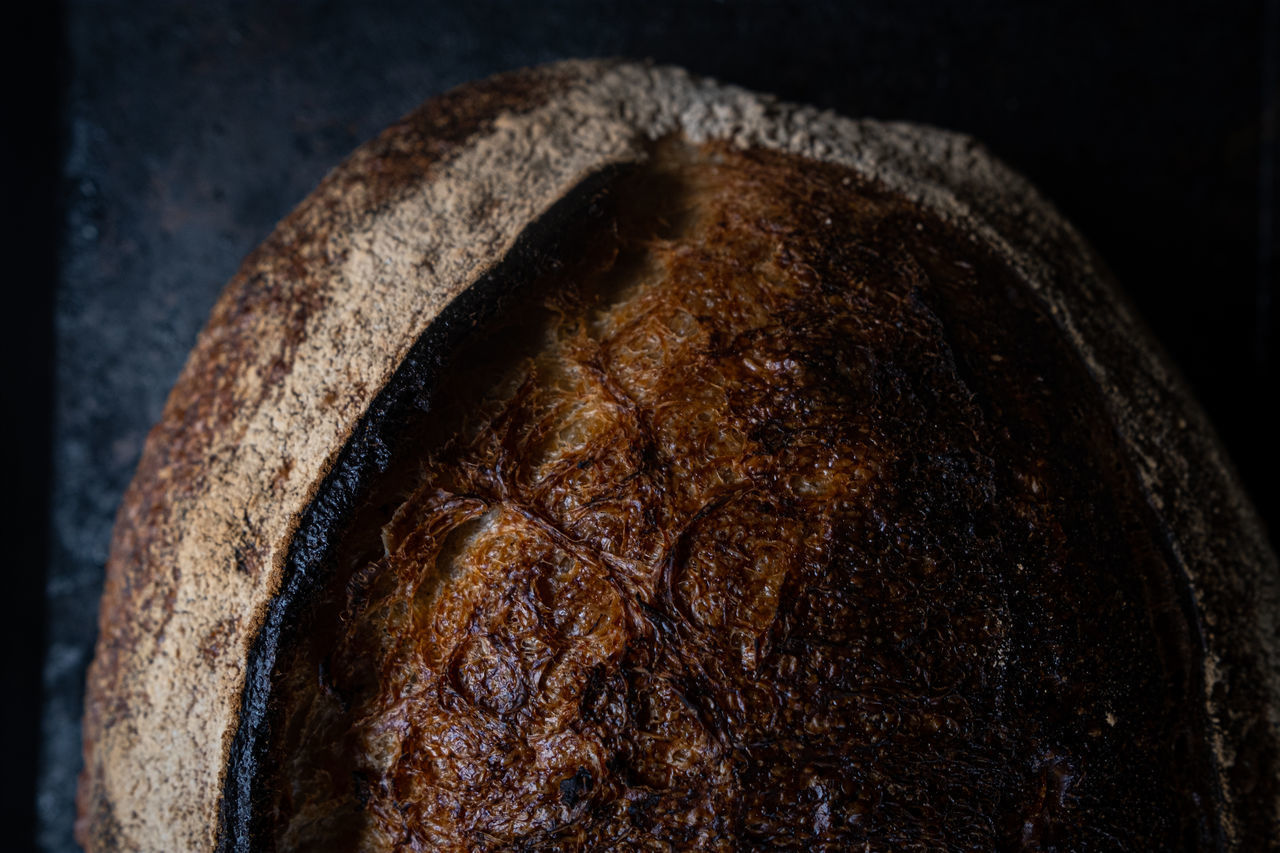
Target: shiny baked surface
802,526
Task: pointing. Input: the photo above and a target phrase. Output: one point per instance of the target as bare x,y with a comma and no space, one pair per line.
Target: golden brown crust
320,318
809,534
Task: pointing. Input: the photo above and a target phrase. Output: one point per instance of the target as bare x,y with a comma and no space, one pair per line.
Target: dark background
149,145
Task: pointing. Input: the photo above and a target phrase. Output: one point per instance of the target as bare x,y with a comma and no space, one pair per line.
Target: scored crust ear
319,319
297,346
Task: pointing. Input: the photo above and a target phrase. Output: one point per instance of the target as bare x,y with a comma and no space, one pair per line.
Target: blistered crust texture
319,318
810,535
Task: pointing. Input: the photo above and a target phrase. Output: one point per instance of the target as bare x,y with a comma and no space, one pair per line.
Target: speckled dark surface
191,128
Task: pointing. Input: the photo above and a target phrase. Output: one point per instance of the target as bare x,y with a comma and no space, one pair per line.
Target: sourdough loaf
603,457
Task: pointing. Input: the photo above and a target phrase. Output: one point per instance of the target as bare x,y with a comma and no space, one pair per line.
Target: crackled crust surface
803,528
323,315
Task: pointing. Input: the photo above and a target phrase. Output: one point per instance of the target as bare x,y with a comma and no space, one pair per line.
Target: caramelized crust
797,525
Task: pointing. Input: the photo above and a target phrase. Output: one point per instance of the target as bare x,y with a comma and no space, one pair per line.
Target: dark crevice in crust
376,441
975,636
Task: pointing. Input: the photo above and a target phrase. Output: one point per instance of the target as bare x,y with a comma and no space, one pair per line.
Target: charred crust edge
366,455
175,455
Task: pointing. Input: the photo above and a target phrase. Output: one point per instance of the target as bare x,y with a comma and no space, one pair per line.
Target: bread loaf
604,458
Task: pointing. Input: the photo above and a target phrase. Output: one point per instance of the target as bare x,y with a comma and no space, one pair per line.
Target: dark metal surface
190,128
